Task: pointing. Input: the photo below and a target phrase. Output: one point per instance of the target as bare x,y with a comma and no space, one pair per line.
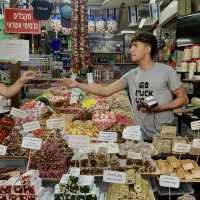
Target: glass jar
187,54
198,65
192,66
184,66
196,51
192,69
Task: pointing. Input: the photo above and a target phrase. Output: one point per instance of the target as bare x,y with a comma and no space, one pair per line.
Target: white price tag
57,123
73,76
134,155
113,148
3,150
196,144
169,181
100,146
108,136
132,133
122,162
87,149
18,113
114,176
31,143
90,78
75,171
65,137
78,141
195,125
85,180
75,95
181,148
31,126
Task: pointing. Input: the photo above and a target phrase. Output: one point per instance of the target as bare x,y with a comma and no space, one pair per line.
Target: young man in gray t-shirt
149,79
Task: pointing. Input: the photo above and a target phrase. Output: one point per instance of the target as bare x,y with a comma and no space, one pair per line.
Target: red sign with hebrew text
17,20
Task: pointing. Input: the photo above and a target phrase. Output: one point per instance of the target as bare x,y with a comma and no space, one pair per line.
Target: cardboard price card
134,155
31,143
196,144
132,133
181,148
78,141
113,148
18,113
3,150
108,136
195,125
169,181
31,126
57,123
114,176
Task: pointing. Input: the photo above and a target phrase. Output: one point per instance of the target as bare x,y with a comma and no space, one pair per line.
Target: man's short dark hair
148,38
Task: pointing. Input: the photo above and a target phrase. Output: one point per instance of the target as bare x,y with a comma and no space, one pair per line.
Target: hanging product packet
111,25
91,24
100,24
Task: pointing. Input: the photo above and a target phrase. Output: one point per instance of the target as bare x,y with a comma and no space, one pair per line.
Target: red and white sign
17,20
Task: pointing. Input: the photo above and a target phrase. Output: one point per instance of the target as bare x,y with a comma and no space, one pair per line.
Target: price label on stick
75,95
195,125
18,113
78,141
73,76
31,143
90,78
57,123
3,150
134,155
181,148
31,126
114,176
169,181
113,148
196,144
108,136
132,133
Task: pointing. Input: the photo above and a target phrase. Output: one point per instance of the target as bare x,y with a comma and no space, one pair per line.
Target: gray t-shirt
158,81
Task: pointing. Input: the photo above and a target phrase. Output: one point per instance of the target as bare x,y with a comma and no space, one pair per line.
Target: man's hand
26,76
155,109
67,82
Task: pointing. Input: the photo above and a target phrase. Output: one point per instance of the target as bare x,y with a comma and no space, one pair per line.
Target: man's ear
149,49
